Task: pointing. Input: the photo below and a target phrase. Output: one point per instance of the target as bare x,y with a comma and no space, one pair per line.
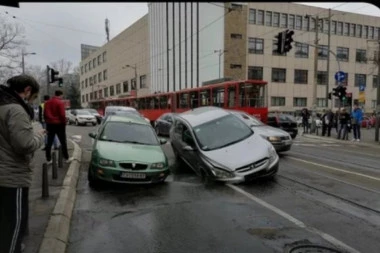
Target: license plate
89,119
132,175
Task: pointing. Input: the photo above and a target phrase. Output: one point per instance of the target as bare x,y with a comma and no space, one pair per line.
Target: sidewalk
40,209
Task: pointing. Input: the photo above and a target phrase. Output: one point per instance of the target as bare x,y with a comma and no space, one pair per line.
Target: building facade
238,39
120,68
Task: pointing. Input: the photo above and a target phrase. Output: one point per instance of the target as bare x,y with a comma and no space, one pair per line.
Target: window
235,66
365,32
291,21
277,101
112,91
312,24
252,16
99,77
82,84
133,84
236,36
374,81
326,26
106,92
321,102
333,27
91,96
118,88
284,20
260,17
302,50
320,25
276,19
370,32
86,97
300,76
360,79
94,62
322,52
339,28
300,102
268,18
306,24
91,81
373,104
352,30
255,73
89,65
104,56
361,55
322,77
143,82
255,46
94,78
81,70
298,22
105,75
85,68
342,53
359,31
278,75
125,86
274,49
99,60
86,82
346,29
376,33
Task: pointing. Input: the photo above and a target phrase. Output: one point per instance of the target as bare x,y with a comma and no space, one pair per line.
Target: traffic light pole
314,98
328,62
378,97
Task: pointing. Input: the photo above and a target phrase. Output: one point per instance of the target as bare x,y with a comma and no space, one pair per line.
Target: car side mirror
92,135
163,141
188,148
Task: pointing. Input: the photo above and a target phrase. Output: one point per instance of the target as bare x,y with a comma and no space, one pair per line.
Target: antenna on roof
108,29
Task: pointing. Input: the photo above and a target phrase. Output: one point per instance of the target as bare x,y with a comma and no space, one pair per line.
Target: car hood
129,152
86,116
269,131
239,154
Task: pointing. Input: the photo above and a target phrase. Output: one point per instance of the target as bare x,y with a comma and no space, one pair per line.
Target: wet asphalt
326,193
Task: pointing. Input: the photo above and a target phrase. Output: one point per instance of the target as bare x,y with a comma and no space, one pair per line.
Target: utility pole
220,53
314,98
328,63
47,79
378,96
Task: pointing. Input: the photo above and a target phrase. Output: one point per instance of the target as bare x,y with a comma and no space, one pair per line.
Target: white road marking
297,222
336,169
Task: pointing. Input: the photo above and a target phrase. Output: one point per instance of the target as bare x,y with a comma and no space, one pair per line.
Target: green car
127,150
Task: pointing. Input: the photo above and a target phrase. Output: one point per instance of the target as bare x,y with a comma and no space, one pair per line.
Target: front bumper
85,121
282,146
114,175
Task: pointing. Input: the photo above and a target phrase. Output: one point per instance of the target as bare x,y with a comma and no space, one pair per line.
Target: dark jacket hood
8,96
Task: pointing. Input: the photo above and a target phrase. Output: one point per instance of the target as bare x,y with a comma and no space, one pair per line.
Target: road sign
362,87
340,76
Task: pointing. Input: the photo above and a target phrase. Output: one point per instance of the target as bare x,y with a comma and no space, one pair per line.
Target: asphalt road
326,193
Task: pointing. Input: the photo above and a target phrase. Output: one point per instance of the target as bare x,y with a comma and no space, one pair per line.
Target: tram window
150,103
218,97
184,100
142,105
163,102
251,95
231,96
156,102
205,97
194,99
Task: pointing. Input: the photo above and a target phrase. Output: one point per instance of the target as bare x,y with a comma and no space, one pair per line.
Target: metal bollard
60,158
54,165
45,181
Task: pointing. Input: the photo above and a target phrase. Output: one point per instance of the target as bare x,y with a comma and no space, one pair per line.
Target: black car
164,123
284,122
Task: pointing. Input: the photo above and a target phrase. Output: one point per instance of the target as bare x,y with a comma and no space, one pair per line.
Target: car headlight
108,163
272,154
221,173
157,165
274,138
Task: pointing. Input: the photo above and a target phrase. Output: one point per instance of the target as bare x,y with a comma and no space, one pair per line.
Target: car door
167,124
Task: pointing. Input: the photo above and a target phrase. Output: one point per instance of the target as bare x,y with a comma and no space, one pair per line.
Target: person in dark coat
327,122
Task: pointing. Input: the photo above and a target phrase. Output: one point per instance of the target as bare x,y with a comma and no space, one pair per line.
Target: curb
340,141
56,235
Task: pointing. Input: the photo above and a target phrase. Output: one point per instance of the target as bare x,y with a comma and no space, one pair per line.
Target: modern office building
86,50
238,40
119,68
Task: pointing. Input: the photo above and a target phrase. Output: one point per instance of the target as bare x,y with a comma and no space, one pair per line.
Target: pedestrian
18,142
357,118
305,120
327,122
55,118
344,122
41,118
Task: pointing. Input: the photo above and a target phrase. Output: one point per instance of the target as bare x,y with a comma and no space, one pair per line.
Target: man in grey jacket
18,142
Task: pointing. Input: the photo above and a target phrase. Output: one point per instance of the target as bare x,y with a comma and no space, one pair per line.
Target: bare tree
39,73
63,66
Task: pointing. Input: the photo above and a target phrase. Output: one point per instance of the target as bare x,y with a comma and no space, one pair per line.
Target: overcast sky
56,30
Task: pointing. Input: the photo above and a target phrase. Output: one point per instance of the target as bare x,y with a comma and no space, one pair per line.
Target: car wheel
93,182
76,122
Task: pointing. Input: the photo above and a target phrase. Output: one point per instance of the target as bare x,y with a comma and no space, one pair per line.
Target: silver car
219,146
281,140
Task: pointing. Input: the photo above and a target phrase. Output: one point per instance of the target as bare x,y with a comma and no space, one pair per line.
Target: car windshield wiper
134,142
110,140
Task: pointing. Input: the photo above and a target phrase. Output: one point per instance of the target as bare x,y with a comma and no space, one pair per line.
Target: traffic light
342,94
349,99
60,82
280,42
336,92
288,40
53,75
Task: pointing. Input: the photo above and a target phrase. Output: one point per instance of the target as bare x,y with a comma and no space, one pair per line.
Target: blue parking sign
340,76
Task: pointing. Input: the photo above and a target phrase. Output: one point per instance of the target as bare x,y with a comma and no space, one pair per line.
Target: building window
312,24
99,59
326,26
322,52
359,31
125,86
374,81
94,62
339,29
237,6
81,70
370,32
252,16
361,55
268,18
118,88
300,76
86,97
112,91
374,104
255,46
143,82
104,56
260,17
352,30
133,84
274,49
278,75
91,81
333,27
365,32
284,20
320,25
298,22
106,92
276,19
255,73
322,77
105,75
82,84
306,24
235,66
342,53
346,28
86,82
236,36
277,101
321,102
89,65
344,82
95,95
360,79
302,50
291,21
300,102
99,77
376,33
91,96
85,68
95,78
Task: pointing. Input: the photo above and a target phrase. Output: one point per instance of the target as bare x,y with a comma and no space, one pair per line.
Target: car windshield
83,113
92,111
124,132
221,132
251,119
284,117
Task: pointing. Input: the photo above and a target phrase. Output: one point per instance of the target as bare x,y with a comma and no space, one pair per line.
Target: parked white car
81,117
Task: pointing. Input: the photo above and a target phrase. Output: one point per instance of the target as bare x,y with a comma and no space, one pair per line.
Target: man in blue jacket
357,118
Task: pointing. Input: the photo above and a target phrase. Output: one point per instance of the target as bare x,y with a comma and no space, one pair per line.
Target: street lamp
220,53
23,61
135,68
